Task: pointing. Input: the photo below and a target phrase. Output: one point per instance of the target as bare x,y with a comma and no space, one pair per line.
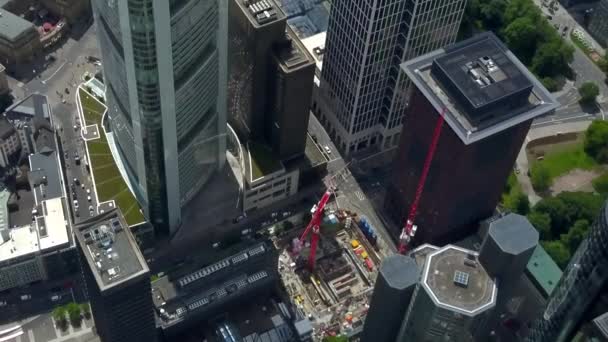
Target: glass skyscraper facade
165,72
581,285
366,43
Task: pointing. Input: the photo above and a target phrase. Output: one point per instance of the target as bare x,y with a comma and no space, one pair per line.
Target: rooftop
544,271
316,47
514,233
455,281
179,296
400,271
45,176
293,55
262,160
12,26
420,253
601,324
110,249
261,12
483,88
48,232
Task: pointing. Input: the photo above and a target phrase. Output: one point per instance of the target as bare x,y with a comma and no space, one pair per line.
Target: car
25,297
97,63
314,137
76,204
76,181
89,198
3,303
88,191
216,245
246,231
91,209
75,127
327,149
82,186
55,298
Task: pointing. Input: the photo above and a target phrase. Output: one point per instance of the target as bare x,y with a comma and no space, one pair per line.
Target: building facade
583,282
483,130
117,279
360,75
165,72
598,25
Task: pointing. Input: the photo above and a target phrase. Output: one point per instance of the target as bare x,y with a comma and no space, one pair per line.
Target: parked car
327,149
76,204
89,198
55,298
3,303
26,297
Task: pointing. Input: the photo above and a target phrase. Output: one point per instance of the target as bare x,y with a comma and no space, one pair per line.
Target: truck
369,264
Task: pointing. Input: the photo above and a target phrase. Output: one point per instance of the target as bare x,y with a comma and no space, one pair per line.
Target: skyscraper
598,25
366,42
117,279
165,72
488,100
584,280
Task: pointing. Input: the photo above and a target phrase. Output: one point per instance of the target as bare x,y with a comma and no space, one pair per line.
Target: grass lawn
94,109
563,159
263,161
108,180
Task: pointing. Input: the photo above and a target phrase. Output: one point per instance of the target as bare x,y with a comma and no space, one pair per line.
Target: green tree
603,64
335,339
552,58
556,209
589,92
522,204
470,20
575,235
550,83
73,310
541,180
558,252
600,184
59,315
492,14
521,8
596,141
523,36
542,223
86,310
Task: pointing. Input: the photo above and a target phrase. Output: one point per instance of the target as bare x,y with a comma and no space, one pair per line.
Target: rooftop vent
461,279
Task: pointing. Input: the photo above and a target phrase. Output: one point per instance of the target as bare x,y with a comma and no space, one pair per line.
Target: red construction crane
314,226
409,230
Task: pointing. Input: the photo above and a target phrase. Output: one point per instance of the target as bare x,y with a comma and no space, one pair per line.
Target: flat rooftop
544,271
482,87
12,26
110,249
45,176
261,12
293,56
316,47
456,281
48,232
177,297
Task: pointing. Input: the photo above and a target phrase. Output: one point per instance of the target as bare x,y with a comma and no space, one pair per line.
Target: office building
117,279
41,249
165,72
397,278
454,299
488,100
185,299
270,89
19,40
365,44
598,25
599,328
582,284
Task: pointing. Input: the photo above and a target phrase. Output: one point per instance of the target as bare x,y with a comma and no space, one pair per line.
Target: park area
569,171
108,181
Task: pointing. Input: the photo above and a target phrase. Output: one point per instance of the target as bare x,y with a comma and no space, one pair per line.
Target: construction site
330,277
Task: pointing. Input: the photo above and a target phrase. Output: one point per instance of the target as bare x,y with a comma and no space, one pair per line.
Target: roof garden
108,181
262,160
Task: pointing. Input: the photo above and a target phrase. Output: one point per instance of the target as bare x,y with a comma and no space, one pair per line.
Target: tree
600,184
59,314
552,58
542,223
589,92
558,252
521,8
492,14
335,339
86,310
73,310
550,84
523,36
556,209
541,179
575,235
596,141
522,204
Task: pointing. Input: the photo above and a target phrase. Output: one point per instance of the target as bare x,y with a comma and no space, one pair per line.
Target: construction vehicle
409,230
354,243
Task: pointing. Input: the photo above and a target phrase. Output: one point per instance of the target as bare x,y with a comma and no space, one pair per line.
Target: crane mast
314,228
409,230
